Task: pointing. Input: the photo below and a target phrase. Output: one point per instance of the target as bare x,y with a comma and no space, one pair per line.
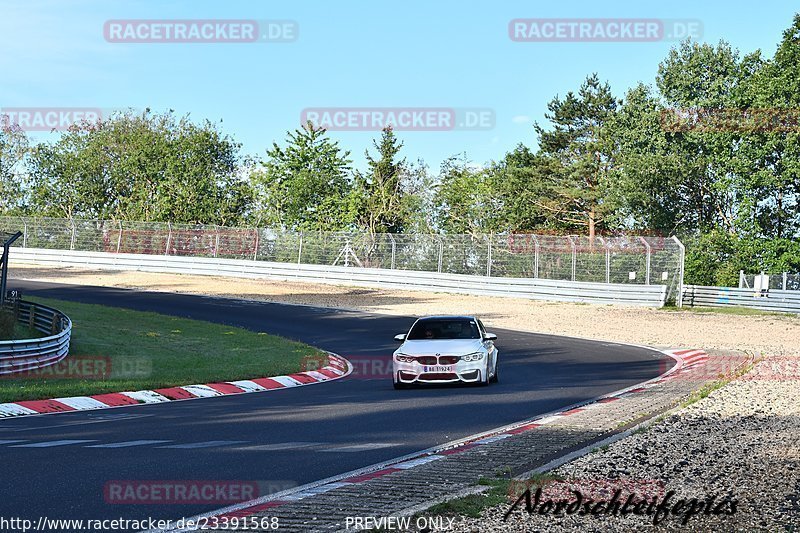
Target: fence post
679,299
300,249
24,233
489,257
169,238
647,261
394,245
441,255
255,248
608,261
216,243
785,279
574,256
535,256
72,237
741,279
119,237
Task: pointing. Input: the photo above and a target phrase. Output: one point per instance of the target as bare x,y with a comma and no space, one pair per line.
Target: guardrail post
679,299
647,261
394,247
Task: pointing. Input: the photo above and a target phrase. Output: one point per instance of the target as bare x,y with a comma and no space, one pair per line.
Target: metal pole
441,254
679,299
4,266
72,238
535,256
741,279
647,268
489,258
169,238
119,238
574,256
216,243
394,246
255,248
300,250
785,276
608,262
25,234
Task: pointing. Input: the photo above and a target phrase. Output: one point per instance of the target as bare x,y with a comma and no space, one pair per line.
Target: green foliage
380,197
304,185
14,146
464,198
147,167
579,156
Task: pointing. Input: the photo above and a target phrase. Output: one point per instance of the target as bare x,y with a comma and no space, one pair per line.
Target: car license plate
444,369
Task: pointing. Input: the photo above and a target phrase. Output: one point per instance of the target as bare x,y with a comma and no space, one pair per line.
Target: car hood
445,347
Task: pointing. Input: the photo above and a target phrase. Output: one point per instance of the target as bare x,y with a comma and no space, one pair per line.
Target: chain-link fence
619,259
785,281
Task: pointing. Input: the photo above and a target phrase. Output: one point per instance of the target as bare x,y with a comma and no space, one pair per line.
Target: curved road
286,437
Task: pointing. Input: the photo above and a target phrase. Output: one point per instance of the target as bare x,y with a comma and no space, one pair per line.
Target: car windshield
443,329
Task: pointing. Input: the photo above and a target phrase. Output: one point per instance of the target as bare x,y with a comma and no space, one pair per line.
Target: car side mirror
400,338
489,337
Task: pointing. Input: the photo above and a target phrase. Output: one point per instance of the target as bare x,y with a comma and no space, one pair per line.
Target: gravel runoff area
741,442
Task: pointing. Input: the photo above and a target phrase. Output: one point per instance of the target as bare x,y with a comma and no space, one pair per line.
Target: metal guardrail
30,354
771,300
531,288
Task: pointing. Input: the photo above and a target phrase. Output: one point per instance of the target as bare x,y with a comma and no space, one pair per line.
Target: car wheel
398,385
495,377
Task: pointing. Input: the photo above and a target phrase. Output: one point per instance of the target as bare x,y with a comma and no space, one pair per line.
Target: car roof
446,317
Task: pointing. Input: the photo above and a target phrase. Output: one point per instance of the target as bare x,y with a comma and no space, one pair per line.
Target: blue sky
442,54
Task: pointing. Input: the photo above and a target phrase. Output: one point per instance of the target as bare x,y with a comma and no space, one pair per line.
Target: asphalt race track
286,437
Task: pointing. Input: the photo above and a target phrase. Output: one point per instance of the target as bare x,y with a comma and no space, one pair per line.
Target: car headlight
477,356
403,358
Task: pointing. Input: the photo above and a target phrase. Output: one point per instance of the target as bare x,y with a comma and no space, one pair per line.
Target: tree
463,198
305,185
151,167
650,182
577,151
703,79
379,197
14,146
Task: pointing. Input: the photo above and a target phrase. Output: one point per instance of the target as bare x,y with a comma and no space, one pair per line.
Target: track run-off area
276,440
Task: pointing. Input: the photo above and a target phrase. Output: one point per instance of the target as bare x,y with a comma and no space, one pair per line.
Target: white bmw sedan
445,349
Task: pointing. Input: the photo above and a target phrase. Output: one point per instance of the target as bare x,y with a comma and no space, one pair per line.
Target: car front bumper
463,372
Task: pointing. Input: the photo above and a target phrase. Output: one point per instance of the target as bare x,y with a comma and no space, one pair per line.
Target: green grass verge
500,492
741,311
150,350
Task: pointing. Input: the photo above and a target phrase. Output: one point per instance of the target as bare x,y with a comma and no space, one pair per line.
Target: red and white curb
686,361
336,368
